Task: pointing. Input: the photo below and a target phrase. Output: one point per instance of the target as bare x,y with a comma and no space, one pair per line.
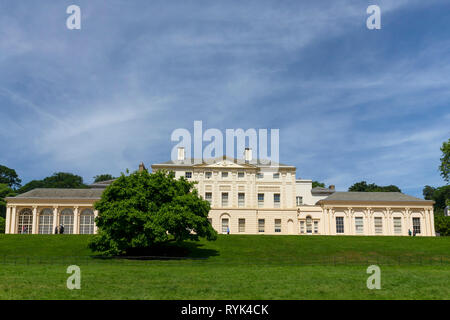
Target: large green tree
9,177
445,161
364,187
57,180
144,209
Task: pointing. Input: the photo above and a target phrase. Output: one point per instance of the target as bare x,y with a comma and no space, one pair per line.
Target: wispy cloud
350,103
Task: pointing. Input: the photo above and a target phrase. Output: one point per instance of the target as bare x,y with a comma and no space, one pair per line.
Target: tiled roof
50,193
322,191
372,196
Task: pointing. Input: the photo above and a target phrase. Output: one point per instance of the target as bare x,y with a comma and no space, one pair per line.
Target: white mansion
246,198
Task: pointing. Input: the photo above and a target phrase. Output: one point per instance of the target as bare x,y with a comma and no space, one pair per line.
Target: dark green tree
57,180
2,225
318,184
9,176
103,177
442,225
445,161
440,195
5,191
364,187
146,209
428,192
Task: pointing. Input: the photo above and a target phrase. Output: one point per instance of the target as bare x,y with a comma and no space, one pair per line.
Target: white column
55,218
351,228
76,221
367,222
8,220
424,218
431,213
95,225
430,218
324,221
408,221
388,222
14,220
35,224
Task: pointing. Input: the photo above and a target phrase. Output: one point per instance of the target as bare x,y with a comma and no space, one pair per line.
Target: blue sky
351,104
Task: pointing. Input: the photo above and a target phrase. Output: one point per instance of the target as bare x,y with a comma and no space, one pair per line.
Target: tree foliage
442,225
316,184
103,177
440,195
5,191
2,225
364,187
57,180
445,161
9,177
145,209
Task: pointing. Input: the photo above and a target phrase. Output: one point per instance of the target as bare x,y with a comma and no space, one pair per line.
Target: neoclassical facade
40,211
245,198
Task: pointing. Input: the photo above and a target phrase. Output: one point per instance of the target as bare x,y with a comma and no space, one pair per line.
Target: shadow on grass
167,251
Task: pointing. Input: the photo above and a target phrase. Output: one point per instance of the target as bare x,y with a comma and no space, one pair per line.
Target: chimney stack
248,154
181,154
141,167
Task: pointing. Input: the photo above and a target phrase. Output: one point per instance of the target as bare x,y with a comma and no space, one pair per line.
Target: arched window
46,221
87,221
308,224
25,221
66,219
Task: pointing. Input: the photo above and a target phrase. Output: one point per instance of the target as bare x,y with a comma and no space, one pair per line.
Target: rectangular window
277,225
224,174
276,175
316,226
259,175
208,197
276,200
261,224
416,225
299,201
378,222
359,225
241,225
225,228
397,225
188,174
241,200
302,226
339,224
260,200
208,175
241,175
224,199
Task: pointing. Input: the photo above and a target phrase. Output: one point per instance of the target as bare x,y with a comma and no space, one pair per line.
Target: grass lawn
233,267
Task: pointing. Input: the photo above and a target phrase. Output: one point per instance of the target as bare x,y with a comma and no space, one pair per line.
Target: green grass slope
233,267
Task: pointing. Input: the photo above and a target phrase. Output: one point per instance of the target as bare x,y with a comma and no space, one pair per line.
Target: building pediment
225,164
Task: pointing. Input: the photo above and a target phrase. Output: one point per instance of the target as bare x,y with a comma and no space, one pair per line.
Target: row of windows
241,225
378,225
225,174
45,225
241,199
